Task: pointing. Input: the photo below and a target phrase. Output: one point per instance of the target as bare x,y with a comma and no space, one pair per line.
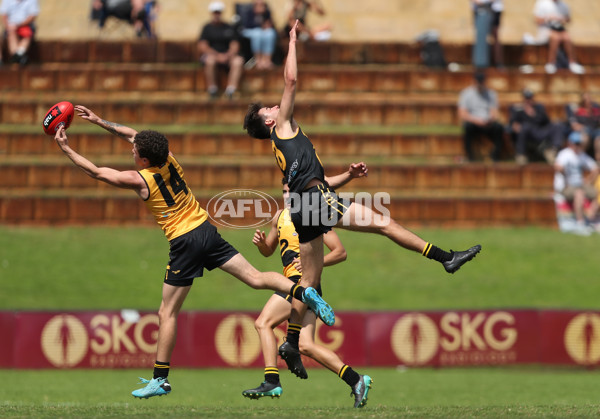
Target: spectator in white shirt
574,178
18,17
552,17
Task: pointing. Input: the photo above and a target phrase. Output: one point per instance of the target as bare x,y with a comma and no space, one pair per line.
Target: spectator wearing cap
219,47
534,134
575,174
478,111
18,17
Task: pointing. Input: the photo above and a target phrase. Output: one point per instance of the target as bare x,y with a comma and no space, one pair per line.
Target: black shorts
315,211
288,297
203,247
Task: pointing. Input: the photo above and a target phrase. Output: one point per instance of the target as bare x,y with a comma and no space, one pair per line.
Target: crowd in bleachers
572,145
253,41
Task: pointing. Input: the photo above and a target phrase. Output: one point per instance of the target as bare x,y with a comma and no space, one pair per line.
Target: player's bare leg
311,255
275,312
240,268
308,346
172,300
359,384
372,222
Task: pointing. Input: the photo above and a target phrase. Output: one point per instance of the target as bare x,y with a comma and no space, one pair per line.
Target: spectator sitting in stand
258,27
299,11
574,179
552,16
18,17
585,118
533,132
219,46
478,110
139,13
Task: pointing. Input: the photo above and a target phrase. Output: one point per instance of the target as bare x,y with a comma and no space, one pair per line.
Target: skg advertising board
128,338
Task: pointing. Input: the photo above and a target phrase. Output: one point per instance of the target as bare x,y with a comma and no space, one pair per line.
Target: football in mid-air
59,114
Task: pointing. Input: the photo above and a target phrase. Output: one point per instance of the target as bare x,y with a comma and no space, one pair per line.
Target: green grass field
113,268
481,392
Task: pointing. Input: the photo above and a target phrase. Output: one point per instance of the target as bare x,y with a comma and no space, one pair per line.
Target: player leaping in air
194,243
315,207
278,307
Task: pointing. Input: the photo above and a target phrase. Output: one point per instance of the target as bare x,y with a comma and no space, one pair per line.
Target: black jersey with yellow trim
297,159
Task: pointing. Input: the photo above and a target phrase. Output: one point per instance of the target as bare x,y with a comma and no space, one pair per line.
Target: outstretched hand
61,137
293,31
85,113
357,170
259,239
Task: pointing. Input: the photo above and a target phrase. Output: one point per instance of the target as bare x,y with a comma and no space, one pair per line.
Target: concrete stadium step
434,211
464,180
354,145
139,109
145,51
318,79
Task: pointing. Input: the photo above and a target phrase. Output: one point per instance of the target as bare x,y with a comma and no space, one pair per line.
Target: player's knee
261,324
164,314
306,347
387,226
256,280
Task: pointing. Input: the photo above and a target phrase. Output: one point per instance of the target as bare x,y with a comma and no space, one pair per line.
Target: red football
60,114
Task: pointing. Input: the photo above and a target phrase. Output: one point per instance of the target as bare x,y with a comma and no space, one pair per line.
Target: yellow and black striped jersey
289,244
172,203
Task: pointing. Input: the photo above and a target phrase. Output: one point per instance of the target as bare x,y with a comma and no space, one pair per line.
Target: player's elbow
290,81
340,255
94,173
266,251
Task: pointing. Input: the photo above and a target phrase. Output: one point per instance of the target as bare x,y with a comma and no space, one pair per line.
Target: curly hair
254,124
152,145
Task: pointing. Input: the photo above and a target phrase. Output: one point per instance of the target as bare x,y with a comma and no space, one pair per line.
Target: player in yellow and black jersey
278,308
194,243
299,162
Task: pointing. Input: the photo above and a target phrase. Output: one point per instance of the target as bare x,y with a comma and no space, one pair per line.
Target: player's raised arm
286,126
126,133
129,179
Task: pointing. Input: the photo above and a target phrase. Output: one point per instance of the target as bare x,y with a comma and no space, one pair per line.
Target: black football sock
297,292
161,369
433,252
293,334
350,376
272,375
